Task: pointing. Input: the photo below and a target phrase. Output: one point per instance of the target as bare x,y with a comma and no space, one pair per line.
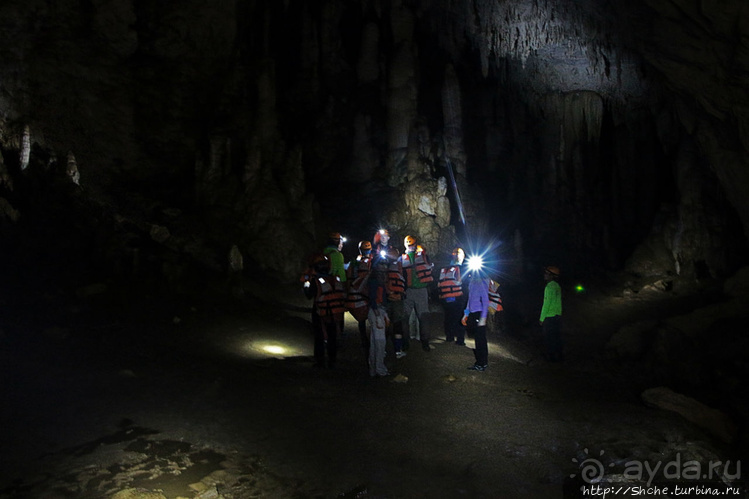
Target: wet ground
207,398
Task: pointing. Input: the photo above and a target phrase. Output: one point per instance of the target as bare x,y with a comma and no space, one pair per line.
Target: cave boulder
714,421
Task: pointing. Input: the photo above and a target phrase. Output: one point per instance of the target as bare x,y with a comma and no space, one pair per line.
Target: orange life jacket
395,284
495,299
357,299
330,296
421,264
360,267
449,284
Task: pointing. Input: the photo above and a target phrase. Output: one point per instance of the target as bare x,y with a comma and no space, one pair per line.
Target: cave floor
179,398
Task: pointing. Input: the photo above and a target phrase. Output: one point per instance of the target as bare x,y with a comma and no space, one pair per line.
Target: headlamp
475,262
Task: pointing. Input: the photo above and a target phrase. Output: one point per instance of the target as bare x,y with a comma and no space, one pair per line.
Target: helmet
459,254
320,262
552,270
334,236
364,246
379,234
409,241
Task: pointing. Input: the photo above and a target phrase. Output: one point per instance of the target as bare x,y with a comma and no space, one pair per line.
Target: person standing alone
551,315
474,318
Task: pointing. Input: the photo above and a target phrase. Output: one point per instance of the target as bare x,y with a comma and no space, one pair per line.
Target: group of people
383,287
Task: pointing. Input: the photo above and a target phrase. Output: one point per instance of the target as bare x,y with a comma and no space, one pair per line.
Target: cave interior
140,141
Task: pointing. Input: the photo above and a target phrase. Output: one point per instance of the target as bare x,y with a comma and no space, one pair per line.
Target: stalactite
252,165
220,160
72,169
309,73
453,126
364,158
520,29
5,178
267,119
402,94
25,147
368,68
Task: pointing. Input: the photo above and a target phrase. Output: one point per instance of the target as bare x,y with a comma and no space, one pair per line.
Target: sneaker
400,355
477,367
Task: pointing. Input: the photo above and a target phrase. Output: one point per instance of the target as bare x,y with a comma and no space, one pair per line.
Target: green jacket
415,282
337,267
552,301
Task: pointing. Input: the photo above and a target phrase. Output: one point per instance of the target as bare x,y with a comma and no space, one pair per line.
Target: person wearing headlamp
417,269
337,265
387,287
333,252
476,312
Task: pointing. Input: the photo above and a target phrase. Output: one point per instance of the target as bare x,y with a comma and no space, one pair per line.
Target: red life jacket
330,296
449,284
421,265
360,267
495,299
357,299
395,284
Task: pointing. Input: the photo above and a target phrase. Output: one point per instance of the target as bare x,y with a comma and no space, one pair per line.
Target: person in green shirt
417,272
337,264
333,252
551,315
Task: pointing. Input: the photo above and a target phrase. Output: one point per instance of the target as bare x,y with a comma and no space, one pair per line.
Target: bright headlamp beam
475,262
274,349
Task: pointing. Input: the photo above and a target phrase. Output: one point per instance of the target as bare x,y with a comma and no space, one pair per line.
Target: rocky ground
180,398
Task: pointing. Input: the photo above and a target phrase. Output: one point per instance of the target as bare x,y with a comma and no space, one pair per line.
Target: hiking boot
477,367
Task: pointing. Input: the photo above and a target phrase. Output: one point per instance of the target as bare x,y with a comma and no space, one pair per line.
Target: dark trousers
454,330
326,339
481,352
552,327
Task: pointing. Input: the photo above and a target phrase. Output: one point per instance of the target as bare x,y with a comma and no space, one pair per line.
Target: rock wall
575,127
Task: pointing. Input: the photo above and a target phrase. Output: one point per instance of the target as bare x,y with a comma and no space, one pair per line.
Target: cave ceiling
582,130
